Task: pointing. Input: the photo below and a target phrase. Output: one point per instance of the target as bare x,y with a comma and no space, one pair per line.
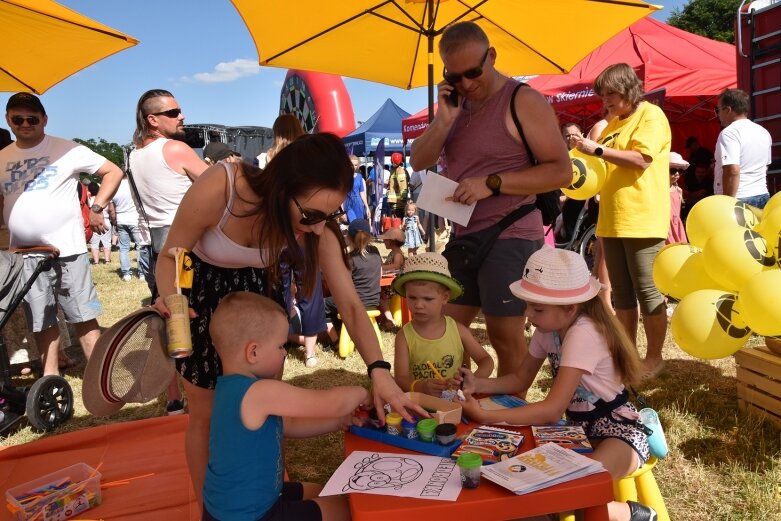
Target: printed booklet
568,436
491,443
539,468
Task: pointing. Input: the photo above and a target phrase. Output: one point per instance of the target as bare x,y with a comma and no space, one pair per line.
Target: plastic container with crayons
58,495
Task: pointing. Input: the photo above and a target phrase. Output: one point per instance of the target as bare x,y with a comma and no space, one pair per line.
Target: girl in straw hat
430,348
591,359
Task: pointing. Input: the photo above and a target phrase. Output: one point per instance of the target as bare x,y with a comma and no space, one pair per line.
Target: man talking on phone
479,142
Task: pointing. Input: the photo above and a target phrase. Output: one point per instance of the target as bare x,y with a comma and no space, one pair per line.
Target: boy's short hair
242,316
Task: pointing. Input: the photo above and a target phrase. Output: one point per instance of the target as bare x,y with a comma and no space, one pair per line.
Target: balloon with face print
759,302
707,324
713,214
588,176
734,255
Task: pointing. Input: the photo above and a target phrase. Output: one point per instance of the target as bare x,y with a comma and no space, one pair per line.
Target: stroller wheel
49,403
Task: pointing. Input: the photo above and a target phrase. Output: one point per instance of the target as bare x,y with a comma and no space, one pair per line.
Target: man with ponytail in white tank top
163,169
485,154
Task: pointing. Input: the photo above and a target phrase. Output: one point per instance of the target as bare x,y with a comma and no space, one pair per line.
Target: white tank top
160,186
218,249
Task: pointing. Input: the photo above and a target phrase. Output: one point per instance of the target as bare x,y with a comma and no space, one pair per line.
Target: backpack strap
514,114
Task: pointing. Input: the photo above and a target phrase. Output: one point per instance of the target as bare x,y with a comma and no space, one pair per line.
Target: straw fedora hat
428,266
129,364
555,276
393,234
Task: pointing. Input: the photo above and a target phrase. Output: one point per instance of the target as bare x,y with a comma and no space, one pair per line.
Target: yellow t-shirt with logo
446,352
635,203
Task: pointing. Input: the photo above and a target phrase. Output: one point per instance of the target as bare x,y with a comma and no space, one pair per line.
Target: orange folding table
488,502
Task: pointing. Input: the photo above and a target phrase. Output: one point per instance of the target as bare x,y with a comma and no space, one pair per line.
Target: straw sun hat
129,364
555,276
427,266
393,234
677,161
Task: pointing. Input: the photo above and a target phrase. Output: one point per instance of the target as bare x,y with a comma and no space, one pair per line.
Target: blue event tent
385,123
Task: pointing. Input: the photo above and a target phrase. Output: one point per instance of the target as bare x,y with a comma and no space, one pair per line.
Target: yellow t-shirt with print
635,203
446,352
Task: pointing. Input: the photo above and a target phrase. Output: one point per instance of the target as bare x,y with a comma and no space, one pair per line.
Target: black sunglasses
674,171
31,120
470,74
171,113
312,217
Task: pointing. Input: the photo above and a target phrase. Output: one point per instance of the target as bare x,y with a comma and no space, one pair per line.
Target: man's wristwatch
494,183
599,151
96,208
379,364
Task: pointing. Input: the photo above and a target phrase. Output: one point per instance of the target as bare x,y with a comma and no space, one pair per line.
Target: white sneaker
127,277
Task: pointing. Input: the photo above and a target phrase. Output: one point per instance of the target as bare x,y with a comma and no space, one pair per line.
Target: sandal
311,361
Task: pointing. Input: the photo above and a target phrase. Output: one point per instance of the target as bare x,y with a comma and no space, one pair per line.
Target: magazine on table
492,444
541,467
568,436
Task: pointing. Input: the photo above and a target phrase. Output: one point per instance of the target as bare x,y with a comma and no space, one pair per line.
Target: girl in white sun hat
591,359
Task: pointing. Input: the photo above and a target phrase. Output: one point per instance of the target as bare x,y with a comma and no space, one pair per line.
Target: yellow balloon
734,255
707,325
772,204
712,214
759,302
679,269
588,176
770,228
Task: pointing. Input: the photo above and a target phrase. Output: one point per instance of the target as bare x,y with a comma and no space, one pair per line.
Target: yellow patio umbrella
42,43
394,41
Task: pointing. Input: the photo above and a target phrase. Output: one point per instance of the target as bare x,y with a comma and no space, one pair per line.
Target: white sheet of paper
436,189
401,475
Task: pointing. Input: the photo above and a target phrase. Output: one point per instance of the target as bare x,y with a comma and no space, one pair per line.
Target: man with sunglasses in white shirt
474,133
163,168
39,175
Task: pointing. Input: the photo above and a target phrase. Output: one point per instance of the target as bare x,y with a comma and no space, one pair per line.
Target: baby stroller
49,401
577,229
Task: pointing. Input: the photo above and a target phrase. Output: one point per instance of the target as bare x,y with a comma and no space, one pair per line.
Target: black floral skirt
210,284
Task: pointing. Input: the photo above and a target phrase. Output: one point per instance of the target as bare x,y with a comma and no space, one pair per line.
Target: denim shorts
758,201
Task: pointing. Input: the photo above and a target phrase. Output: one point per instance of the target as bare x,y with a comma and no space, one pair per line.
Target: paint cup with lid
469,463
393,423
426,429
446,433
410,429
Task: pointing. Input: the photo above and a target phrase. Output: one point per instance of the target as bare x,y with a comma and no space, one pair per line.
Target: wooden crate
759,382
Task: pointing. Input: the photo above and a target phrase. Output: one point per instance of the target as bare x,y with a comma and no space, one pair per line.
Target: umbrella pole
430,229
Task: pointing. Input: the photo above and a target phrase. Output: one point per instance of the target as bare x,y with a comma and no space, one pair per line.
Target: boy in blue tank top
252,412
432,347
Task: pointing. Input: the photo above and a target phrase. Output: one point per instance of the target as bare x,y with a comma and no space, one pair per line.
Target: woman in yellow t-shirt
634,210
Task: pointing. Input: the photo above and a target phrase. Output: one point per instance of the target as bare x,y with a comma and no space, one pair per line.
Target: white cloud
225,72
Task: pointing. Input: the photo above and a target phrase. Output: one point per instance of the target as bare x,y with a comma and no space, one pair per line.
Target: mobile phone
452,98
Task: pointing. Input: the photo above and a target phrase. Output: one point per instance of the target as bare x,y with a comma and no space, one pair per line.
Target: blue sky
202,52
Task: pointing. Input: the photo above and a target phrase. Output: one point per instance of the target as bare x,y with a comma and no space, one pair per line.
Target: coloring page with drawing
401,475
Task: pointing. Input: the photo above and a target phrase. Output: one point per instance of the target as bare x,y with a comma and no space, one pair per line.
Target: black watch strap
379,364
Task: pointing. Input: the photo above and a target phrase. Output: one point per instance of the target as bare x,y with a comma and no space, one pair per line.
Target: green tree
714,19
111,151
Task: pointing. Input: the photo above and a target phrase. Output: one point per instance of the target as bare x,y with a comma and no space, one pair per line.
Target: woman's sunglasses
31,120
172,113
312,217
470,74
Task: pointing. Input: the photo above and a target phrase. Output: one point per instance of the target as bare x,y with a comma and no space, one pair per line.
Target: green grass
723,465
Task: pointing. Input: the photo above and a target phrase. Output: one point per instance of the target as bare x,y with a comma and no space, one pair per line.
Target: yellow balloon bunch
728,280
